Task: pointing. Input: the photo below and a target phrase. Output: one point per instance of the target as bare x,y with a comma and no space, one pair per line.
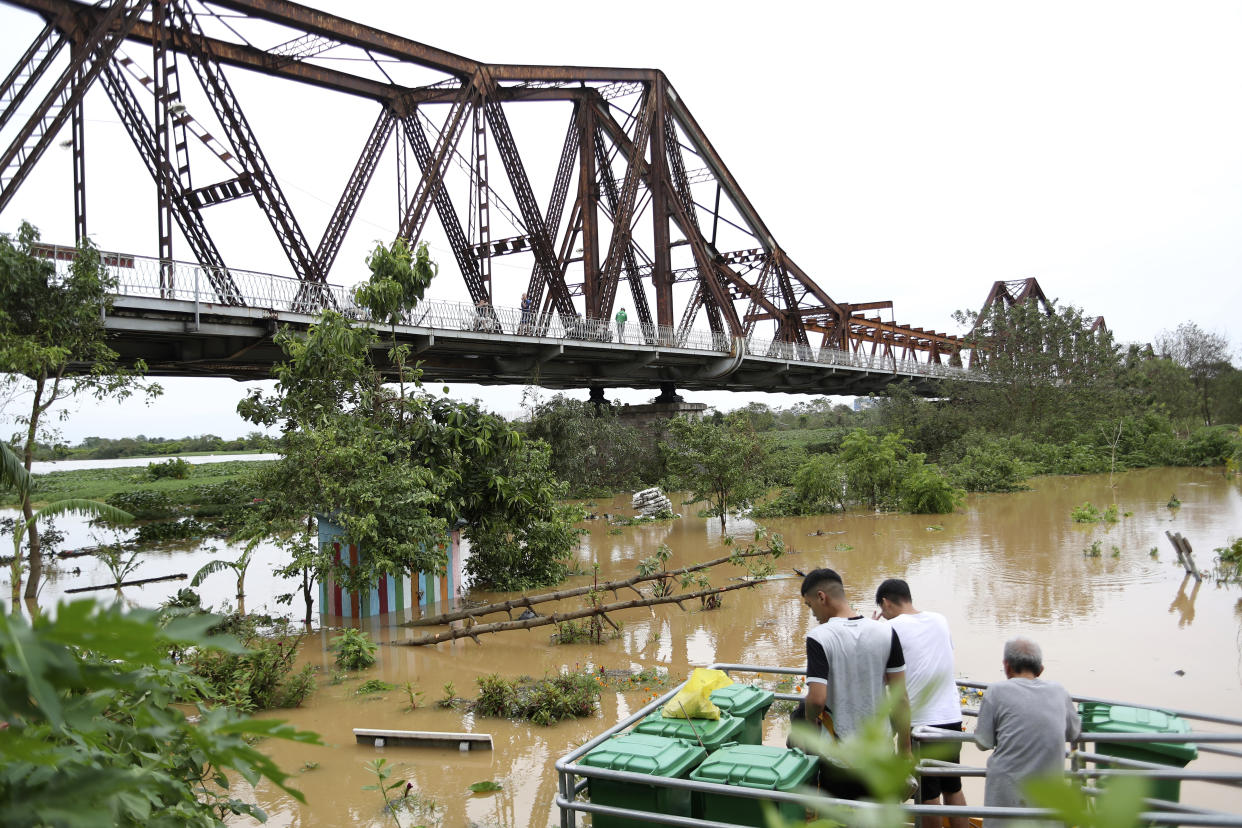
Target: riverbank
101,483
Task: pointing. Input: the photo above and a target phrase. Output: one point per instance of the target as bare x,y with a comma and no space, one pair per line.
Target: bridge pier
598,400
666,406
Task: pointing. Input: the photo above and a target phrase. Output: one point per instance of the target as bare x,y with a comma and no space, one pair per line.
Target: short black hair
818,577
895,590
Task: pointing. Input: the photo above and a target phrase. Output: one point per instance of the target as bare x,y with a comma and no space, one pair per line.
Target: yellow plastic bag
694,700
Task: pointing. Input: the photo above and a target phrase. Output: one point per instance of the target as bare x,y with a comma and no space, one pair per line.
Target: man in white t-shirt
934,700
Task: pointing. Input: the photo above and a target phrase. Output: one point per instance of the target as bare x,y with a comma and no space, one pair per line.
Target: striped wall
421,592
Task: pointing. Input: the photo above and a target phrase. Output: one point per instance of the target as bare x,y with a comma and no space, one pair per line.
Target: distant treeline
1062,398
106,448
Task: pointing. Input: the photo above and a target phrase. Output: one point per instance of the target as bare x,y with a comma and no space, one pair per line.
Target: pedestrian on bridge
526,315
621,317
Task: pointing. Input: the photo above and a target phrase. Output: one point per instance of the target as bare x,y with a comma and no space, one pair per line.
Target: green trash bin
1099,717
711,733
748,702
641,753
751,766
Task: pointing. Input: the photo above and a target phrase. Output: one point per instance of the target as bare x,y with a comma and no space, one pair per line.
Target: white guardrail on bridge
147,277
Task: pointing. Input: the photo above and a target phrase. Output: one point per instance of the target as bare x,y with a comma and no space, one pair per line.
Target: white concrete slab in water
422,738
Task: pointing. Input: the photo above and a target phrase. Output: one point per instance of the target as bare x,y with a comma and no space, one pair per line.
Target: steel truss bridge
184,331
641,213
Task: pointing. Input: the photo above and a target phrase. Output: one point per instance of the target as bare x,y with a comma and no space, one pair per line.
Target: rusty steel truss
641,213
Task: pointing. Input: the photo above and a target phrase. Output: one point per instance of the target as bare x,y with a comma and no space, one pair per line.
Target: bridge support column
598,400
668,395
664,407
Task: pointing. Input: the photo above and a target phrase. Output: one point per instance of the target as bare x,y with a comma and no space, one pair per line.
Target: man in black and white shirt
851,663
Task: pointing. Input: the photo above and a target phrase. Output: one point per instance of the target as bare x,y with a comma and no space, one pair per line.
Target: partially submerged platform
423,738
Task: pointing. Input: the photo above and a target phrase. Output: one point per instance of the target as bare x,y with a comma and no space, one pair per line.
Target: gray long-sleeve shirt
1028,721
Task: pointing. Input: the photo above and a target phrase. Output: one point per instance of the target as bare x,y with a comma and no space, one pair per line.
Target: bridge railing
146,277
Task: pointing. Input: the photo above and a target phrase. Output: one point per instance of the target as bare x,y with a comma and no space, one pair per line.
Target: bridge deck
171,318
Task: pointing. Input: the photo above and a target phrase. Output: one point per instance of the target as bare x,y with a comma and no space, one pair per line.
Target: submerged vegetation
545,701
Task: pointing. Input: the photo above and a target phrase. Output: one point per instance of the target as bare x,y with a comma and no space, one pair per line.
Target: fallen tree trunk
529,601
180,577
475,630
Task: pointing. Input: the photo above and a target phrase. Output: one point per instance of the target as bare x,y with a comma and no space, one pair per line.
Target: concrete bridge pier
667,405
598,400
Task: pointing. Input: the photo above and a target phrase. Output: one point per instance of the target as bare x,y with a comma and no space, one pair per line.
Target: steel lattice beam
187,215
93,51
347,206
267,191
545,256
449,219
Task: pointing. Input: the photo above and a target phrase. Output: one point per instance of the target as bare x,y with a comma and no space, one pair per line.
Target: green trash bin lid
711,732
742,699
757,766
646,753
1100,717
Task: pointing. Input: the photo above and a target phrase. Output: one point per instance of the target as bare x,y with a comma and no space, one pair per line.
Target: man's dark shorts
931,787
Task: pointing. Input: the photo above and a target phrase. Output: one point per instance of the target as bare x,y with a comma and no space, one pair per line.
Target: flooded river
1125,625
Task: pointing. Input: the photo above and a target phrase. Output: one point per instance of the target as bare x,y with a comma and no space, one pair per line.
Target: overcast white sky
910,151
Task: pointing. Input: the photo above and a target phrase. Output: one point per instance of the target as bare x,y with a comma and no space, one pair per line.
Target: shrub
170,530
925,491
143,504
354,649
1231,553
820,484
543,701
497,697
176,468
988,466
371,686
1087,513
259,678
1212,446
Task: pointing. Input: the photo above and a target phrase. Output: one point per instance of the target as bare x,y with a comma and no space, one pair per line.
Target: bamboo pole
475,630
610,586
179,577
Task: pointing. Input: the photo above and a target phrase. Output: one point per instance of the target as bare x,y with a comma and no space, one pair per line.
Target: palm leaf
80,506
12,473
208,569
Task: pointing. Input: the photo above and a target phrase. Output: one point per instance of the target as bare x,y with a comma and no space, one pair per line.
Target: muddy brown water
1126,626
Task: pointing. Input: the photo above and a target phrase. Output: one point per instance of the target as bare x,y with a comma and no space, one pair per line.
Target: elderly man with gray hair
1028,721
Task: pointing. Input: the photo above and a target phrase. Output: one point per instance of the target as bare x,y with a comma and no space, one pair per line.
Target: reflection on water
1114,626
1183,604
45,466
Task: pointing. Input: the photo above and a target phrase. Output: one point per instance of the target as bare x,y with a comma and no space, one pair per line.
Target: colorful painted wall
417,593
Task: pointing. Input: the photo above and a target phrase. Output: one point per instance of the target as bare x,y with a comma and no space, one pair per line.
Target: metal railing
573,779
149,278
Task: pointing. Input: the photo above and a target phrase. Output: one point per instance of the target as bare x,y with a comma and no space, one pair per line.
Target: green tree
1048,372
53,345
93,733
881,472
819,484
591,450
398,281
396,470
1204,354
720,464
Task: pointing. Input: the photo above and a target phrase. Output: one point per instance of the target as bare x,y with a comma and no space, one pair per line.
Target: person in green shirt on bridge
621,317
